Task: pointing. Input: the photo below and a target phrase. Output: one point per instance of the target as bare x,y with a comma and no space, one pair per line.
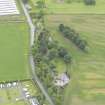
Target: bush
62,52
90,2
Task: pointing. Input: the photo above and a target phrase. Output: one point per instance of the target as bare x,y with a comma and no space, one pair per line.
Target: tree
40,4
53,69
38,72
39,15
66,32
43,41
69,1
90,2
25,1
61,27
62,52
72,35
37,57
43,47
76,39
83,45
52,54
67,60
52,66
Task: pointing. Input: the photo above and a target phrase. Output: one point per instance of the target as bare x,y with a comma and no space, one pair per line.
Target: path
34,76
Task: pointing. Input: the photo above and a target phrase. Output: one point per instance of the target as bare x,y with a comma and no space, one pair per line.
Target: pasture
87,85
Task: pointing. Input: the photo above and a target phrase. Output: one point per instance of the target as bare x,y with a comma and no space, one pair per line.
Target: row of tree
87,2
90,2
72,35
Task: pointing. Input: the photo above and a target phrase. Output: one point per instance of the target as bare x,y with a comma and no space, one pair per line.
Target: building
8,7
62,80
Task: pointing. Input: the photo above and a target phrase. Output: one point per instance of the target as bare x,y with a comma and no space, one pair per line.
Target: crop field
87,86
14,50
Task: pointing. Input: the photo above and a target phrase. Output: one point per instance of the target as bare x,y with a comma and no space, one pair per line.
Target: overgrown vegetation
46,51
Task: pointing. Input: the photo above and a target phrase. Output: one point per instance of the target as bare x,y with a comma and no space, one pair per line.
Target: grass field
14,51
87,85
55,7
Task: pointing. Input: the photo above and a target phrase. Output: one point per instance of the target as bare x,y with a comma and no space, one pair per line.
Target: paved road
34,76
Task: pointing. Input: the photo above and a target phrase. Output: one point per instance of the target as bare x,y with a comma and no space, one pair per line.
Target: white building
62,80
8,7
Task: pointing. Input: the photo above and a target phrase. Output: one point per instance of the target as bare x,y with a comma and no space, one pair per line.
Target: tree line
73,36
90,2
86,2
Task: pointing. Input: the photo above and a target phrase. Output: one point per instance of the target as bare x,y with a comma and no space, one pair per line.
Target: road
34,76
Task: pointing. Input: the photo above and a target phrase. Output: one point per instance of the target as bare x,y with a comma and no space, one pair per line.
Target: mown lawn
14,50
87,86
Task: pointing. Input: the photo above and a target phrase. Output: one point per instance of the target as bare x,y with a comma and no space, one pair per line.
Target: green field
14,51
87,86
56,7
